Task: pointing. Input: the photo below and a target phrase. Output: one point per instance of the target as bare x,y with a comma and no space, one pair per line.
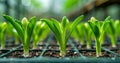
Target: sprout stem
26,50
113,40
16,40
34,44
63,45
88,43
63,50
2,40
81,40
98,48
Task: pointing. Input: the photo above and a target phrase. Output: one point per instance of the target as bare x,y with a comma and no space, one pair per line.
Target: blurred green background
100,9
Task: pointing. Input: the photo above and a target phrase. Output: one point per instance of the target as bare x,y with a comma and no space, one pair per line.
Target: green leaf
117,27
95,29
104,26
15,25
73,25
86,28
108,18
3,27
79,31
50,24
58,30
111,27
19,22
53,27
57,25
65,21
30,26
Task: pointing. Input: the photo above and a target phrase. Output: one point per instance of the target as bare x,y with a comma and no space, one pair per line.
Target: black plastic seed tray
75,55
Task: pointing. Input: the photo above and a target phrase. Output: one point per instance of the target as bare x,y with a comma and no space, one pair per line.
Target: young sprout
88,33
112,31
3,27
39,33
78,33
117,27
16,36
24,30
61,31
11,32
98,30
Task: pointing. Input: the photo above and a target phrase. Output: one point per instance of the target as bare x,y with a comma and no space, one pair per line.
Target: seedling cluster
33,31
26,29
97,30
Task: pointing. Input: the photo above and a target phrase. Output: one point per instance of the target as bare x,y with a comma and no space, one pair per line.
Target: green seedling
16,37
117,27
98,28
62,31
112,31
24,30
78,33
12,33
3,27
88,34
40,32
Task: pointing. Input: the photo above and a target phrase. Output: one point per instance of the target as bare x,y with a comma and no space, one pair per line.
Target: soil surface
56,47
118,51
54,53
93,54
53,50
3,51
39,47
83,47
19,54
110,47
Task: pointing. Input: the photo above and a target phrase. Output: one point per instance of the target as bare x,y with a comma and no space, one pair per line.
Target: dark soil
19,54
83,47
53,50
56,47
110,47
39,47
118,51
93,54
54,53
3,51
53,42
42,43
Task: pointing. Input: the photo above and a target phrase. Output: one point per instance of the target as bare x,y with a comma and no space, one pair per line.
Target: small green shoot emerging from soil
3,27
117,27
24,29
61,31
27,30
16,37
112,31
79,32
98,29
40,32
11,32
88,34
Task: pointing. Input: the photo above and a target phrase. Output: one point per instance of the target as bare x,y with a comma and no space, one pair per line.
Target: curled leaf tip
108,18
92,19
24,20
